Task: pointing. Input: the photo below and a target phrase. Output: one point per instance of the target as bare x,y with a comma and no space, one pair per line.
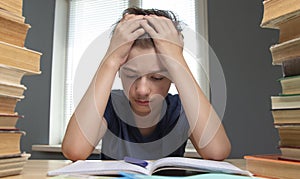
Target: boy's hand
126,32
168,41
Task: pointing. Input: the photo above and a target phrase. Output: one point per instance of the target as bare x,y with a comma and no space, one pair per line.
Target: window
81,22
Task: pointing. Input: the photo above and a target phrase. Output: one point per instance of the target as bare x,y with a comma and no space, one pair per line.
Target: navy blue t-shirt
124,139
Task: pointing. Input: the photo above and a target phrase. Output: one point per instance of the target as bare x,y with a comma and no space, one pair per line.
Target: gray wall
240,44
243,50
35,107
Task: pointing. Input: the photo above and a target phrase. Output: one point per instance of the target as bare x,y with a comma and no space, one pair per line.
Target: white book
98,167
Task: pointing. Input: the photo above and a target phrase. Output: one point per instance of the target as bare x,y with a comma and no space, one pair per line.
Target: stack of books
15,62
285,16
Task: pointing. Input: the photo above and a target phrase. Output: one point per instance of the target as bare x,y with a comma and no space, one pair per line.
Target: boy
144,121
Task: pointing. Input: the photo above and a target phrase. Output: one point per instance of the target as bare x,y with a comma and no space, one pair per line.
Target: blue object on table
136,161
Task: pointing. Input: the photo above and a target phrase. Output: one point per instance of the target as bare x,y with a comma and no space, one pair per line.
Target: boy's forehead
143,61
144,65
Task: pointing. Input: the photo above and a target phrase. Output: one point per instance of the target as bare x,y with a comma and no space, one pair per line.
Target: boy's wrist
111,64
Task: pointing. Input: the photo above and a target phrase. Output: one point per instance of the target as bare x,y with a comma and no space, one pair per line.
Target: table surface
37,169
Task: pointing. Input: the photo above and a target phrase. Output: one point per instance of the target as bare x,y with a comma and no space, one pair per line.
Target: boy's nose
142,86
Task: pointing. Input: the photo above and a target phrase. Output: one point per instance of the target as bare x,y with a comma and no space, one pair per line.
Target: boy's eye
131,76
157,77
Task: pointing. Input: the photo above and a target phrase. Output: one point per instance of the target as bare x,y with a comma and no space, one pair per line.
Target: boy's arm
87,125
207,133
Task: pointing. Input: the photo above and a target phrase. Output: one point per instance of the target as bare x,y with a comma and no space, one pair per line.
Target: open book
96,167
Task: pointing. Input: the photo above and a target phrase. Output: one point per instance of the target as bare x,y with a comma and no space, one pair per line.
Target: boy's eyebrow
129,69
135,71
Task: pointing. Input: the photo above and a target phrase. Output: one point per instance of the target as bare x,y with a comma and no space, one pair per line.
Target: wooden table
37,169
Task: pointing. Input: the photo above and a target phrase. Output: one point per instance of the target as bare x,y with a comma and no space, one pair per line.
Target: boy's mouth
142,102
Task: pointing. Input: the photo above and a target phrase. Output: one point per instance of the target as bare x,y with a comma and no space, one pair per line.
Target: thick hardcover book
285,102
291,67
271,166
13,6
286,116
10,142
289,135
8,104
19,57
290,85
290,153
9,121
285,51
278,11
12,29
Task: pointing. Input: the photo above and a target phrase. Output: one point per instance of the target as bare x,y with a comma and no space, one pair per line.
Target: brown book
289,29
13,75
289,135
286,116
291,67
12,165
285,102
19,57
285,51
278,11
15,90
8,104
12,16
272,166
10,142
10,172
13,6
12,31
290,153
290,85
9,121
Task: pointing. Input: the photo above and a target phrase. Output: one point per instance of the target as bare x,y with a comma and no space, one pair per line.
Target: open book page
199,176
96,167
197,165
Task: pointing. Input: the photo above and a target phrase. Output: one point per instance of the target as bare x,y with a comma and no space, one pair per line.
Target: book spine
291,67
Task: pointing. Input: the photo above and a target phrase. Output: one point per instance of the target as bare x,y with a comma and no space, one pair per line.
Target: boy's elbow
217,153
73,153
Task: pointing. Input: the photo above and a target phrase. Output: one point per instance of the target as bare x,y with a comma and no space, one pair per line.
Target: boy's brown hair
145,41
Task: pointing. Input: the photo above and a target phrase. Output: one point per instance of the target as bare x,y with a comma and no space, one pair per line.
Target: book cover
286,116
272,166
9,121
291,67
278,11
15,56
289,135
13,6
290,85
10,142
8,104
290,153
285,102
16,90
285,51
12,30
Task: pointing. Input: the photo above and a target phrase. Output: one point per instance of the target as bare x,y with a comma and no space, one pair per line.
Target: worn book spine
12,31
13,6
285,51
18,57
278,11
291,67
